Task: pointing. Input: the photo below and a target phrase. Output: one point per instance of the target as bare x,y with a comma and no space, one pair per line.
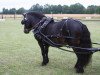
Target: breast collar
42,24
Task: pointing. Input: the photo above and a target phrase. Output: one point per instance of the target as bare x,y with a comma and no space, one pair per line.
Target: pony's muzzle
26,31
22,22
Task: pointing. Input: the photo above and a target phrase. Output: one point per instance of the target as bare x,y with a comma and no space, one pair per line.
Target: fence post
15,16
51,14
2,15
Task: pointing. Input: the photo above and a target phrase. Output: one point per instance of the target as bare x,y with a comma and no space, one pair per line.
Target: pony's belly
61,41
64,41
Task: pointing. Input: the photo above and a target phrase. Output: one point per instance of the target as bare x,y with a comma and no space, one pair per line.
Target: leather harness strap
44,22
38,33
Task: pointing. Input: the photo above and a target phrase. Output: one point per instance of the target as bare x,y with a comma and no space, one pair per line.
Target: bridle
37,24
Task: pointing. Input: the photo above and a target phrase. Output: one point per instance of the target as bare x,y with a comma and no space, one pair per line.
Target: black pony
58,32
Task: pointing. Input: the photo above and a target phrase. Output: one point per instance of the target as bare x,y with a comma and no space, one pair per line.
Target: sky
28,3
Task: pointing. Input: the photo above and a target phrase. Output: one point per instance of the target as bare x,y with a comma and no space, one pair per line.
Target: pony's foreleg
44,51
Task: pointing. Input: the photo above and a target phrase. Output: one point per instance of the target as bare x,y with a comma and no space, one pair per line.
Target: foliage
57,9
91,9
5,11
20,11
65,9
77,9
37,8
98,10
13,11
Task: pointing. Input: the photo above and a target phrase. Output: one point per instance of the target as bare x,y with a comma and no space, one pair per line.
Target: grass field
21,55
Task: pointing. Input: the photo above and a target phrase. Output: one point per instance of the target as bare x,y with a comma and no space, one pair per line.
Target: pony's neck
37,20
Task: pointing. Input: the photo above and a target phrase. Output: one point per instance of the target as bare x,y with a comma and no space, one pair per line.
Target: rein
48,41
38,33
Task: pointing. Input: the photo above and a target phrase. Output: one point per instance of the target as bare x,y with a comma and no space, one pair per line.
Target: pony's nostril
26,31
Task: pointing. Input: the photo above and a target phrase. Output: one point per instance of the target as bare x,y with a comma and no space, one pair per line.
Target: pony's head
30,20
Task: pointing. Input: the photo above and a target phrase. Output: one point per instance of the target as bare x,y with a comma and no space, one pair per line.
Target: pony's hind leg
79,64
82,61
84,56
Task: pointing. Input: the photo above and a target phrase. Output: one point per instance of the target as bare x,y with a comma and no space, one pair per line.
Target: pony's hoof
75,66
79,70
44,64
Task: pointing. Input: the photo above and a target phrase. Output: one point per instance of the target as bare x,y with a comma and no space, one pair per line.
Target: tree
20,11
91,9
98,10
12,11
47,9
65,9
37,8
5,11
77,9
59,9
56,9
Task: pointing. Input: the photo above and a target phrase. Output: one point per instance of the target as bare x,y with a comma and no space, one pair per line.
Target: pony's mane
37,14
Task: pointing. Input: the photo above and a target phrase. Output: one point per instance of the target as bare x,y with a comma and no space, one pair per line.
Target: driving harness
40,27
43,24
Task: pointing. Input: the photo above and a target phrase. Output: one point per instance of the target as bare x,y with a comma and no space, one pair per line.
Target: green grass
21,55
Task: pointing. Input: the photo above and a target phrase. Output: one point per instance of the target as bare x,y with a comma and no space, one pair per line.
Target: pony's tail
86,43
86,40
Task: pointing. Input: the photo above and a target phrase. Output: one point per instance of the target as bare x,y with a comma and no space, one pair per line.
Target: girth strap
65,27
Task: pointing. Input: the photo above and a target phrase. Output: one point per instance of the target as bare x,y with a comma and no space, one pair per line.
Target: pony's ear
24,14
